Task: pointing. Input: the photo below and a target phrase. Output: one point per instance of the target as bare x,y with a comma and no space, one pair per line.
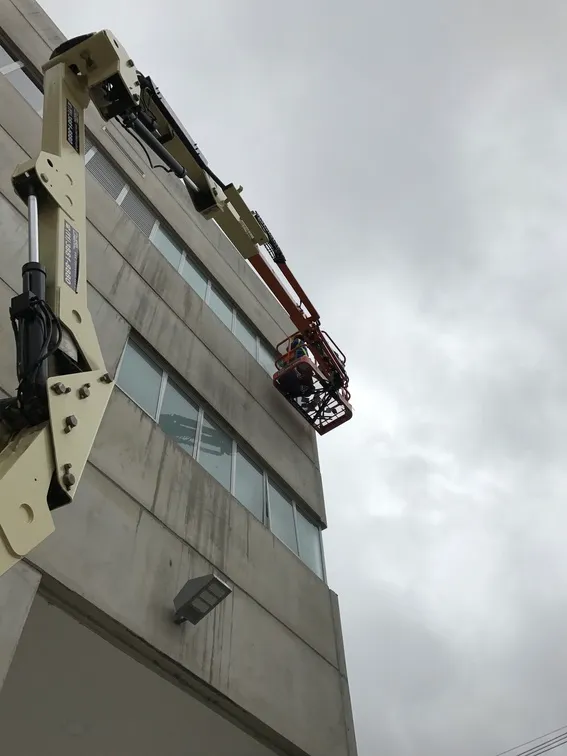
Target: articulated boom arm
48,428
155,123
148,116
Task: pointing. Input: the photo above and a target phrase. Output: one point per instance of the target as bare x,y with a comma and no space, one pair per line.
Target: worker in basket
297,379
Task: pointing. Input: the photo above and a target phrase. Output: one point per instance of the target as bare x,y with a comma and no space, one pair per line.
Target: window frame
236,446
20,63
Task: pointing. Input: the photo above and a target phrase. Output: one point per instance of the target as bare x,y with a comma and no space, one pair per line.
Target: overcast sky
411,159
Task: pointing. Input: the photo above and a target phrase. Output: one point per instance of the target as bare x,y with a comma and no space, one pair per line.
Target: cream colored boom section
221,203
52,455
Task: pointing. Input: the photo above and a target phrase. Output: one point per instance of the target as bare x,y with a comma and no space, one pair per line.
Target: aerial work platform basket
321,396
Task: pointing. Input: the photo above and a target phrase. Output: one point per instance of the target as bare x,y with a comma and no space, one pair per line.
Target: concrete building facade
200,466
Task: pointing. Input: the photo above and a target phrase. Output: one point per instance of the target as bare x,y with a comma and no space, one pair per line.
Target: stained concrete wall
17,591
107,704
147,516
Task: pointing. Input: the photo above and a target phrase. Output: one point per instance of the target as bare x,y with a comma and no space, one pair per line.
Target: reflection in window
281,518
215,452
245,335
249,485
196,280
178,417
140,378
163,241
309,543
221,308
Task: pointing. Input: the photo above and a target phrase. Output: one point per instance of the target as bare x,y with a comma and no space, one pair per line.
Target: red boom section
328,404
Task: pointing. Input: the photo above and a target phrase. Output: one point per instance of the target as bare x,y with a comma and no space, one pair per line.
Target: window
245,335
309,543
106,174
215,452
102,169
183,420
163,241
14,72
139,212
196,280
140,378
281,517
249,485
6,60
266,358
27,89
178,417
220,307
111,179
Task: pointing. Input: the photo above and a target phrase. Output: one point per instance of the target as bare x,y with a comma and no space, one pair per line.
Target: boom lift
48,429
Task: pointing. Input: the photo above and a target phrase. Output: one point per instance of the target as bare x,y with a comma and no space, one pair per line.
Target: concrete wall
124,710
17,591
147,516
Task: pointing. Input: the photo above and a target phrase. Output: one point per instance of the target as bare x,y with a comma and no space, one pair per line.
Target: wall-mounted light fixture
198,597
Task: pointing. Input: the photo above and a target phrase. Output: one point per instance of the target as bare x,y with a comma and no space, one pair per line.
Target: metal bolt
68,478
130,63
70,423
84,391
44,177
58,388
136,97
105,378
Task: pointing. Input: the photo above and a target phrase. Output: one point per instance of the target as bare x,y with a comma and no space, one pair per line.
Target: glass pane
140,378
163,241
5,58
27,89
245,335
281,518
106,174
249,485
221,308
194,277
215,452
309,544
137,210
266,359
178,417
